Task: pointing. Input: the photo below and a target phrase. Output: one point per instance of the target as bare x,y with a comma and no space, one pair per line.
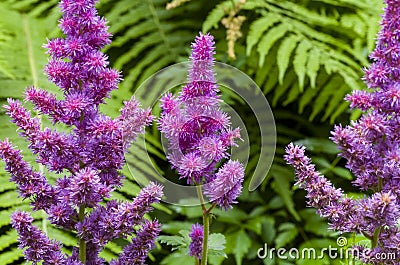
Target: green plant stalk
375,237
206,226
374,241
82,243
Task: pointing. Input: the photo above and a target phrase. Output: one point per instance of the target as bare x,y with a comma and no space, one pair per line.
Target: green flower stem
374,241
377,232
206,228
206,225
82,243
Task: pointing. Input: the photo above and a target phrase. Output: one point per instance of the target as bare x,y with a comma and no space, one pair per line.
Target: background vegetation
305,55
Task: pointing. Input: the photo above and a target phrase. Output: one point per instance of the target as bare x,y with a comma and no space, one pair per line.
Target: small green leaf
313,65
216,15
284,53
178,258
268,230
216,241
269,40
258,28
177,242
10,256
319,145
289,233
300,60
216,245
239,244
314,223
283,186
8,239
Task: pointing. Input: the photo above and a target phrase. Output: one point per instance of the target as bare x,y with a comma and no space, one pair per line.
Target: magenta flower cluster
200,137
88,156
371,147
196,245
199,132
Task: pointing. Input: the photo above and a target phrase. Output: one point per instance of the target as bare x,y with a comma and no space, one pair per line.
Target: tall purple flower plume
89,157
198,131
371,148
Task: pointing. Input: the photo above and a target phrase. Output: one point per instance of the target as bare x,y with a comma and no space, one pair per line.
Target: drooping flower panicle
38,247
89,156
371,148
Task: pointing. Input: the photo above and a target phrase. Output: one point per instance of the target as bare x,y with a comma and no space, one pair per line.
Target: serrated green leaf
9,198
319,145
10,256
268,230
333,103
216,241
342,172
175,226
238,244
314,223
290,80
216,245
176,241
10,237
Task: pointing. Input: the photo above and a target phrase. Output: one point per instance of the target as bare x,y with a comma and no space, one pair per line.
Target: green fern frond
35,8
150,36
324,36
216,15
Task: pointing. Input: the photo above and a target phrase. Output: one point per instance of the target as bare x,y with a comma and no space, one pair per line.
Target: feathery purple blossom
89,156
371,148
198,131
38,247
196,244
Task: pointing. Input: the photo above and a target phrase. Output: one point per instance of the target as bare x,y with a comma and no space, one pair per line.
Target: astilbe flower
199,132
196,244
89,157
199,138
371,148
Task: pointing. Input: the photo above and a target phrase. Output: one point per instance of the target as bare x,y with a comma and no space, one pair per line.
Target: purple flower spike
227,185
89,156
196,245
38,246
86,189
371,149
30,184
202,59
321,194
198,131
136,252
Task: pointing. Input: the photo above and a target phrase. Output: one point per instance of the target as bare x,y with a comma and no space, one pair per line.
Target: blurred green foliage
305,55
